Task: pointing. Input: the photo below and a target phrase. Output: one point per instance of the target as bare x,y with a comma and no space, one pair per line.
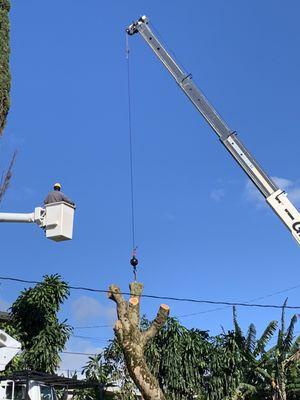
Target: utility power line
92,327
61,352
151,296
91,337
78,353
250,301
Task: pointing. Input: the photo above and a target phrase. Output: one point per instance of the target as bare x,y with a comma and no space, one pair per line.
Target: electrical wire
79,353
60,352
91,337
250,301
151,296
93,327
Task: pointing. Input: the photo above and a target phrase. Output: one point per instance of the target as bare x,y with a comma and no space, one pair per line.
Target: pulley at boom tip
132,29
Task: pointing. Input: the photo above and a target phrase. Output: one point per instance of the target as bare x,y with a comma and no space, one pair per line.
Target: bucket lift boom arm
275,197
56,219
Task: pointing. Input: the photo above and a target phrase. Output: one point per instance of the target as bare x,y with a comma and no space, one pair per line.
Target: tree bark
133,340
282,383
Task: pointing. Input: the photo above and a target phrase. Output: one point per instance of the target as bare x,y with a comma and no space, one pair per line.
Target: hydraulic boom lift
56,219
275,197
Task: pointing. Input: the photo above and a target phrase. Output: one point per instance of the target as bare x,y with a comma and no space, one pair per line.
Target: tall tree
133,340
186,363
255,381
5,83
35,323
180,358
268,374
284,357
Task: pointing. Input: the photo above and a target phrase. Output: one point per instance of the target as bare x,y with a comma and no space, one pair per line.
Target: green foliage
225,369
36,325
293,382
231,366
178,357
4,62
114,358
105,368
254,379
265,338
96,369
269,374
282,361
188,363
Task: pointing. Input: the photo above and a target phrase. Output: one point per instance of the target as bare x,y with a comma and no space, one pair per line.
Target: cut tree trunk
133,340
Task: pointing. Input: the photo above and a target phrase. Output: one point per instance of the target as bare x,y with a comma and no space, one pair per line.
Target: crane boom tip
133,28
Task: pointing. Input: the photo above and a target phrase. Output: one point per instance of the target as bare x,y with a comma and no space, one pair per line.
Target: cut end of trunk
165,307
134,301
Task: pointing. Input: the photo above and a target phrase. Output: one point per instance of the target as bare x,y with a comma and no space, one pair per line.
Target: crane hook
134,262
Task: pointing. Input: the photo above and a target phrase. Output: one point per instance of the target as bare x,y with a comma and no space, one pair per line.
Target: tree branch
132,340
115,295
119,331
157,324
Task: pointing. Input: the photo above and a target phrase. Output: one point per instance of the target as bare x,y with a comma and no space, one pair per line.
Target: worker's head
57,186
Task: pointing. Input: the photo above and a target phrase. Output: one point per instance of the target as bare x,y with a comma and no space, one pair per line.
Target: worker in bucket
56,195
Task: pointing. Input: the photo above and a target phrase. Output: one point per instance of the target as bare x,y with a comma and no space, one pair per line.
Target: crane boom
275,197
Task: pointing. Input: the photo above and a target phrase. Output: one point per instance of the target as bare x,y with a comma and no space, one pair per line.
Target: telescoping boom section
275,197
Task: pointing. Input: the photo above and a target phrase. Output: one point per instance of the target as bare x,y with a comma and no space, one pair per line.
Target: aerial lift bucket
59,221
56,219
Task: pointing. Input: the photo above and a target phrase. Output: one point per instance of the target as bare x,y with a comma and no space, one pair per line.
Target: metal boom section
274,196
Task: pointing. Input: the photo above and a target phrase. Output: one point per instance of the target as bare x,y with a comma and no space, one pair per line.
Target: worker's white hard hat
57,185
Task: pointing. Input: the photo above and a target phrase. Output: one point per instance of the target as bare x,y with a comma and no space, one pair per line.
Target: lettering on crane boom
296,227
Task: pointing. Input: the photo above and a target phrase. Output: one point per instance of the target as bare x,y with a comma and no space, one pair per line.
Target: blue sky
201,229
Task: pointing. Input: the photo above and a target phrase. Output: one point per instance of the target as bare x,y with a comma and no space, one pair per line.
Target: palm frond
239,337
264,373
296,346
246,388
281,333
288,339
251,338
294,358
265,338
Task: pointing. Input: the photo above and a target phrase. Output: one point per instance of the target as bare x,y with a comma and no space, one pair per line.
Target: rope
133,261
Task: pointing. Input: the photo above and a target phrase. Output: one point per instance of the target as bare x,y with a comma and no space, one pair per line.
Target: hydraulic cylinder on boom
275,197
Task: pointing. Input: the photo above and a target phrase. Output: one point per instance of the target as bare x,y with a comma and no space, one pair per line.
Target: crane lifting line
133,260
